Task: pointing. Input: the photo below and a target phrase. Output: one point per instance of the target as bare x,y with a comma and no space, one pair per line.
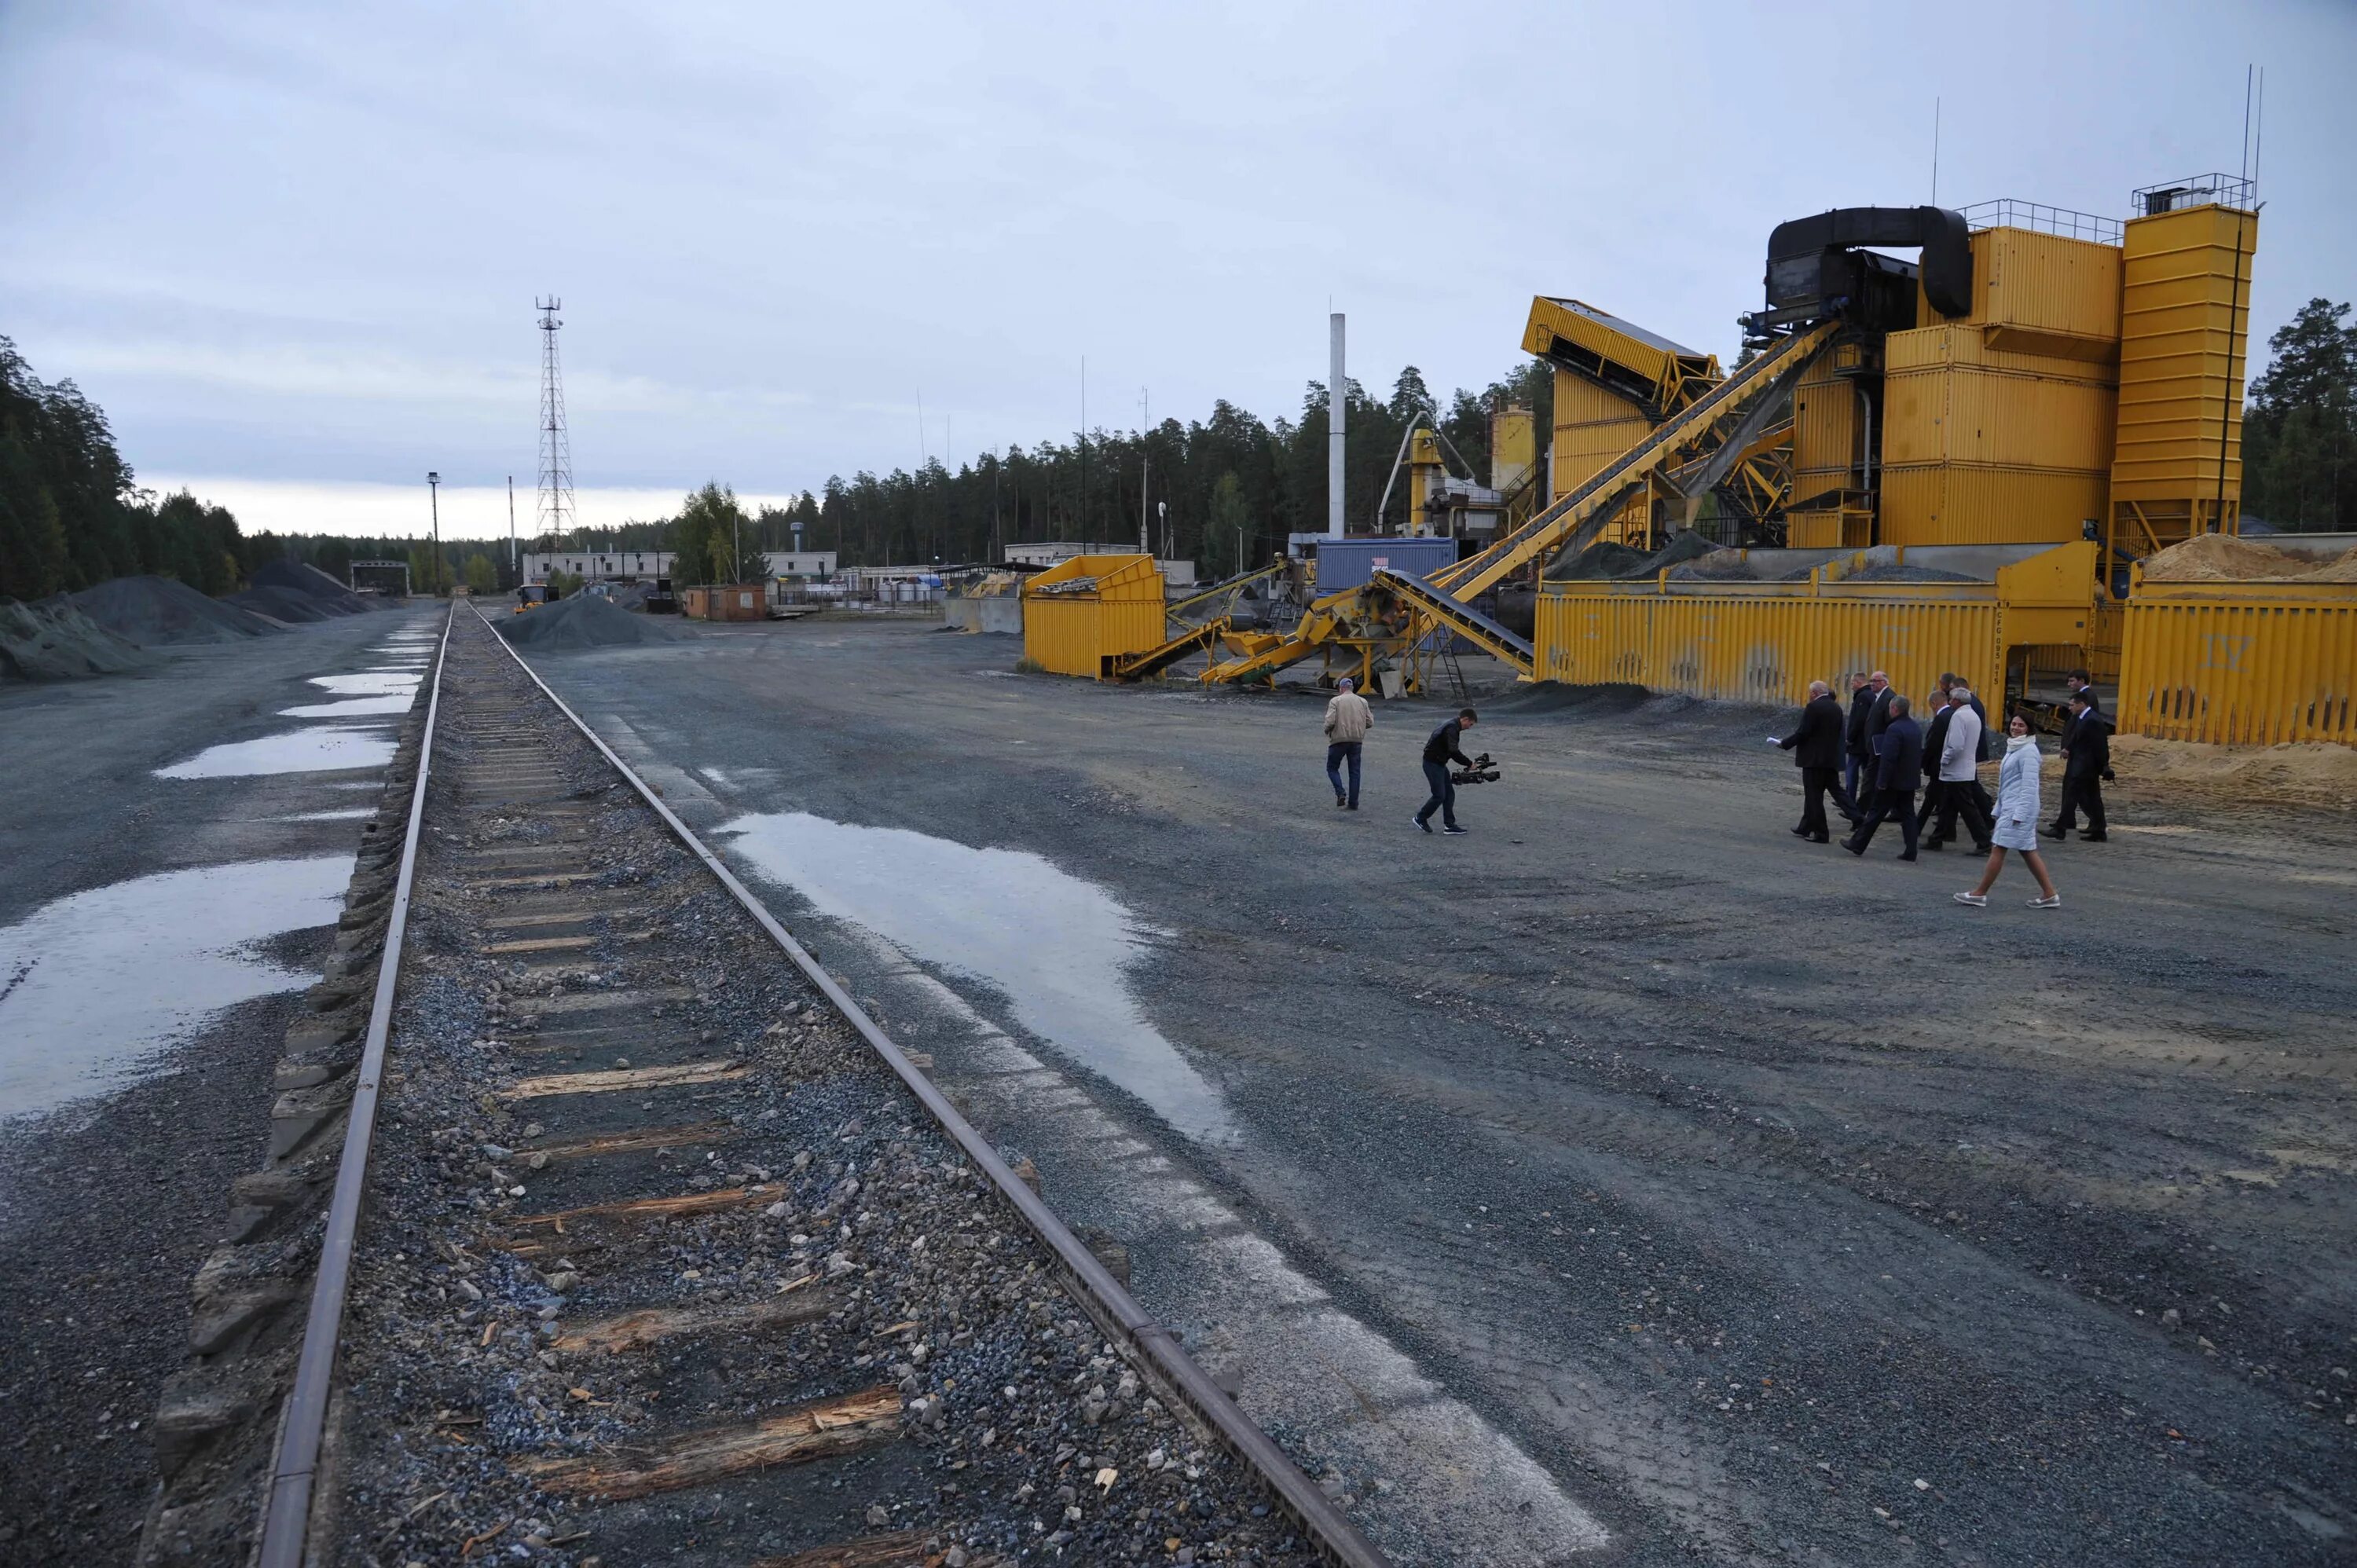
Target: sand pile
330,595
2308,771
150,610
288,606
54,641
583,621
2221,558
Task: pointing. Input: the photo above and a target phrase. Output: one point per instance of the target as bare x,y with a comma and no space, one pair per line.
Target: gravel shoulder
1774,1206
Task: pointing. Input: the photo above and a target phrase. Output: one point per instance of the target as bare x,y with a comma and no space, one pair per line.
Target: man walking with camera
1444,747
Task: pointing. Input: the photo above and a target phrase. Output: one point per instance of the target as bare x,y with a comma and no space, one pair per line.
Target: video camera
1483,771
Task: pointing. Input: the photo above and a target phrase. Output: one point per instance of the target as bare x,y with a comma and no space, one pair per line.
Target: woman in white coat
2016,818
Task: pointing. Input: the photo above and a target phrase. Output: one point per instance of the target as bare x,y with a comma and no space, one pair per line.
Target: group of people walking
1873,758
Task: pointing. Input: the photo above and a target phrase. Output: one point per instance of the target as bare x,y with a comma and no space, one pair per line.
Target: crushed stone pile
584,621
288,606
52,639
330,595
150,610
1609,561
1900,572
2221,558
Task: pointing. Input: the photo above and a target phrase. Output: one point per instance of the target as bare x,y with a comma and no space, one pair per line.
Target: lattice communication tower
555,515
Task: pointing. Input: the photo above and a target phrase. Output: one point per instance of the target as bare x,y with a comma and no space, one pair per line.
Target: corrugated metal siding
1074,634
1349,563
1956,503
1961,412
2241,671
2046,282
1762,650
2183,338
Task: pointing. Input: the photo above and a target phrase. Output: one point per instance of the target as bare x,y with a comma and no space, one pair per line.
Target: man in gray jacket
1348,720
1959,780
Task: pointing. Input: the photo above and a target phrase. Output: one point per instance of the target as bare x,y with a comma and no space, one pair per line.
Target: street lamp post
434,490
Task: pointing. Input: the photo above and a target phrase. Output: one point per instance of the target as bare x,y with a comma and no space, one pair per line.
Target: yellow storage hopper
1082,615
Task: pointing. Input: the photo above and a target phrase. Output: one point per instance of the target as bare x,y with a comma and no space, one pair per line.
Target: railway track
645,1242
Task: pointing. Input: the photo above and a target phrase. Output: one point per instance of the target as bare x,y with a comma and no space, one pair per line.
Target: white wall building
632,565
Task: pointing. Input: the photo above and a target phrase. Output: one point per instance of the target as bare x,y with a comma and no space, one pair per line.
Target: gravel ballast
826,1248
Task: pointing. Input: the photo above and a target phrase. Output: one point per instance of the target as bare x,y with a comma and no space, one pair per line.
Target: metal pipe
1338,402
1866,451
1397,458
286,1514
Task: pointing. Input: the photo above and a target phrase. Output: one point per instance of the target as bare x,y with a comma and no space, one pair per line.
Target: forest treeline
1235,485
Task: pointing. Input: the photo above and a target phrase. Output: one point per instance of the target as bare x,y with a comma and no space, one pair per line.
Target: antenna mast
555,515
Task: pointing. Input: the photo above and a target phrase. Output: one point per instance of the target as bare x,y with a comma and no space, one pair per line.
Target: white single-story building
634,565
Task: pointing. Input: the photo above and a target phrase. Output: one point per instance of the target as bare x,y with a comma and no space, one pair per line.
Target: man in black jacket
1934,737
2086,757
1878,715
1816,746
1441,748
1895,770
1857,757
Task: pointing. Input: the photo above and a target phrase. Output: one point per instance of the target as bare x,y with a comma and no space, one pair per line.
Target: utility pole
1338,402
1084,445
433,494
1145,472
515,551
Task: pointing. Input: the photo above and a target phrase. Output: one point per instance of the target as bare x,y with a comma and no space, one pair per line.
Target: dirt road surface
1627,1181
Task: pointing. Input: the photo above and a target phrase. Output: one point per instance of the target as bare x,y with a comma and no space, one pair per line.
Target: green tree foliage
716,541
68,515
482,577
2300,428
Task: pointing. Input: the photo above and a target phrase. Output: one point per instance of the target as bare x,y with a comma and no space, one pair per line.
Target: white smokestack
1338,401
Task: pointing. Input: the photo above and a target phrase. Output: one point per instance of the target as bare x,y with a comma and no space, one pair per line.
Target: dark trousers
1816,784
1952,797
1857,769
1888,805
2082,792
1335,752
1444,795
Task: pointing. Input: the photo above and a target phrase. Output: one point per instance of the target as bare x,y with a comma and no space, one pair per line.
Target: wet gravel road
114,1169
1715,1195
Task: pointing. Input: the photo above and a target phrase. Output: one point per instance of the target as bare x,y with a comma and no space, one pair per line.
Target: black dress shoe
1800,832
1933,843
1906,857
2093,838
1820,838
2052,833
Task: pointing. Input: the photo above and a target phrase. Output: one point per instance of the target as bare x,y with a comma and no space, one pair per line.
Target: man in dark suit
1878,716
2086,759
1935,736
1816,746
1855,757
1895,770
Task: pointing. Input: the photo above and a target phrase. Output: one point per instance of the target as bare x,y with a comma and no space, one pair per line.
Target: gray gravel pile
1009,1428
1607,559
149,611
1898,571
330,595
584,621
53,640
288,606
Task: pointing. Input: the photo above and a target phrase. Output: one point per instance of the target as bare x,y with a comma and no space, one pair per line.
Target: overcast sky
293,251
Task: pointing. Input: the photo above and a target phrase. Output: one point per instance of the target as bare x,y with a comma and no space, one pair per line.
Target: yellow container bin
1082,614
2241,663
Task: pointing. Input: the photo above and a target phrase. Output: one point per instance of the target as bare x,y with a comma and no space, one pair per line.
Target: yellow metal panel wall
2046,282
1963,413
1762,650
1825,434
2236,671
2184,326
1060,634
1074,634
1957,503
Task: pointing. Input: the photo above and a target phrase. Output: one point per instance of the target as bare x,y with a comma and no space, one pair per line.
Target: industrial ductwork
1817,266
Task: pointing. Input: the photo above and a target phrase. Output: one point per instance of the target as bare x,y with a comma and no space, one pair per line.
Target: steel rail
287,1515
1115,1310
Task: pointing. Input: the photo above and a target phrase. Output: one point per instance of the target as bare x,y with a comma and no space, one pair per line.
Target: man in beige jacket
1348,720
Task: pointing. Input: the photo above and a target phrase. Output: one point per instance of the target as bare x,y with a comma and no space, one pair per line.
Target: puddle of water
369,683
321,750
325,816
1057,947
95,982
349,708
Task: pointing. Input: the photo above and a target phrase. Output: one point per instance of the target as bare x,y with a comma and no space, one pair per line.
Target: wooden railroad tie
612,1079
632,1331
588,1230
822,1429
